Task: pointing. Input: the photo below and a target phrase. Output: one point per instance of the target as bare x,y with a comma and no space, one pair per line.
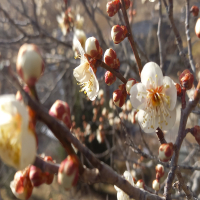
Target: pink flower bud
21,185
159,171
119,96
156,185
194,10
129,84
60,110
166,152
186,79
30,64
110,58
36,176
68,173
92,48
179,90
109,78
197,28
140,184
49,177
112,7
118,33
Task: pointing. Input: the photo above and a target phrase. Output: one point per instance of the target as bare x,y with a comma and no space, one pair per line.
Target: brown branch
106,174
160,136
130,37
159,35
117,74
181,135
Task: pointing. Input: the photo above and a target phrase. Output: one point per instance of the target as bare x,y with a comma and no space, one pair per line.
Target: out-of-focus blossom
30,64
140,184
110,58
17,139
100,94
85,75
118,33
80,35
194,10
60,110
155,97
197,28
79,21
21,185
121,195
68,173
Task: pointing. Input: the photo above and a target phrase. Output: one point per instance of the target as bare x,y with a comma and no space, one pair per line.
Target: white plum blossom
85,75
121,195
155,98
17,141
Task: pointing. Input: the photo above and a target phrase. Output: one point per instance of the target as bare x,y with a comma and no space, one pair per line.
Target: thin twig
130,37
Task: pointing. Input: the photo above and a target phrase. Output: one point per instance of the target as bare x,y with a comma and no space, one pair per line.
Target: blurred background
98,124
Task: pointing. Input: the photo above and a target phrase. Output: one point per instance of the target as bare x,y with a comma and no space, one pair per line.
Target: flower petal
82,73
151,75
167,122
95,88
170,91
147,122
138,95
128,177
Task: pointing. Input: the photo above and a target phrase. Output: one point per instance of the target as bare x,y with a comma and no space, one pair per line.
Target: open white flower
121,195
85,75
17,141
155,98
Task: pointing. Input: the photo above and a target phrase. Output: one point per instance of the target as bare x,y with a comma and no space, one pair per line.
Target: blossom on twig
155,98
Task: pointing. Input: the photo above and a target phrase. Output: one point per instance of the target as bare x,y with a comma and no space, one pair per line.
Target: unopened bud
68,173
129,84
49,177
196,133
61,111
36,176
156,185
194,10
92,48
197,28
186,79
109,78
178,88
165,152
119,96
30,64
140,184
118,33
112,7
127,3
21,185
129,105
100,94
110,58
159,171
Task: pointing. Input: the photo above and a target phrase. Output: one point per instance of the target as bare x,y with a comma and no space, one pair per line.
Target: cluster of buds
61,111
129,84
186,79
30,64
118,33
119,95
194,10
159,174
165,152
114,6
197,28
68,173
196,133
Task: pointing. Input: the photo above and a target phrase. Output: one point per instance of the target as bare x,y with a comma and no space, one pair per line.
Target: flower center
87,86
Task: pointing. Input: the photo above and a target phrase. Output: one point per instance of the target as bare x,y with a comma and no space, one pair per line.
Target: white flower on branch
17,140
85,75
121,195
155,98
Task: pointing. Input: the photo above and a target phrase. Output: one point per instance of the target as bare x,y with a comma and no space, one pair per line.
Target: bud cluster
159,174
